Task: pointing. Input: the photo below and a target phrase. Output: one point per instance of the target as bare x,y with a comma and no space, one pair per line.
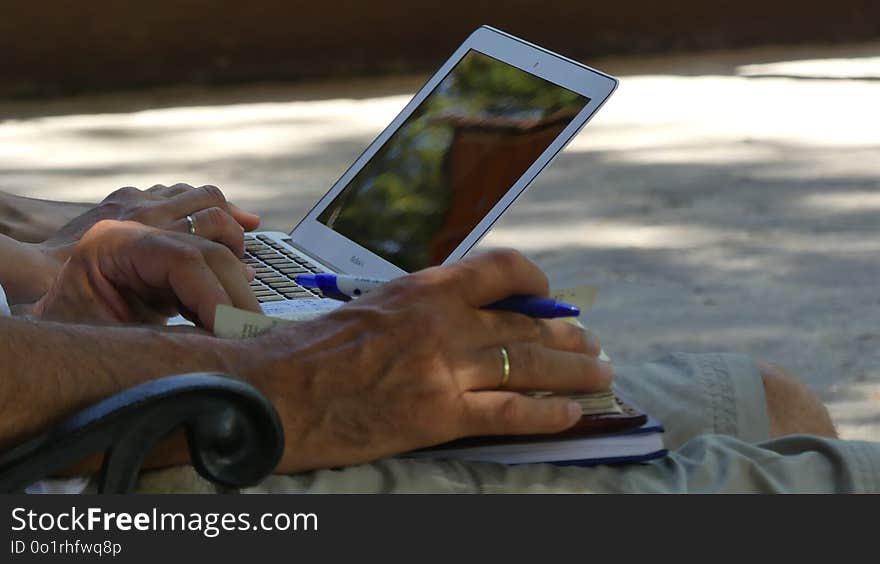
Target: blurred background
726,198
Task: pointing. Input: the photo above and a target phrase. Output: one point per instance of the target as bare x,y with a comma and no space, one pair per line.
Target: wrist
46,266
266,363
34,271
248,360
233,357
54,253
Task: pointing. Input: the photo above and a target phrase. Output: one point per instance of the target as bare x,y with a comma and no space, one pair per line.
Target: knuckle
123,194
509,412
507,257
507,260
511,262
188,255
530,358
219,254
570,337
154,243
464,273
519,327
531,329
590,341
214,194
107,224
212,216
104,226
148,215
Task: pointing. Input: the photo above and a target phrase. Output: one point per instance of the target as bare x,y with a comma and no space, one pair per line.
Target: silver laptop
431,185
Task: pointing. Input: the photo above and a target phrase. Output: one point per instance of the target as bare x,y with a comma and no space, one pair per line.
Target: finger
511,413
190,201
150,262
196,285
187,197
177,189
501,328
495,275
495,328
248,221
536,368
232,274
214,224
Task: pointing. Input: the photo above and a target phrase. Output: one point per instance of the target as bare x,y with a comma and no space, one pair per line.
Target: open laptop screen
451,161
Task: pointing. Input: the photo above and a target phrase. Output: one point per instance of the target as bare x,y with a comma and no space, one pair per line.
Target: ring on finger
191,225
505,367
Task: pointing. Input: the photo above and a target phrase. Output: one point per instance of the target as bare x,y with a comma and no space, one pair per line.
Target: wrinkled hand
126,272
418,363
165,207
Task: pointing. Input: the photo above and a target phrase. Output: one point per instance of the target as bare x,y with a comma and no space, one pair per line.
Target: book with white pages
584,447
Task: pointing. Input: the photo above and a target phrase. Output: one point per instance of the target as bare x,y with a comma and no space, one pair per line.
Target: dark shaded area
68,46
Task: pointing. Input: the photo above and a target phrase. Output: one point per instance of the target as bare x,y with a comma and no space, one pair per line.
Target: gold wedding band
505,367
191,224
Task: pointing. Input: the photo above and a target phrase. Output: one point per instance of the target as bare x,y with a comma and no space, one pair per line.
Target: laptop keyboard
276,267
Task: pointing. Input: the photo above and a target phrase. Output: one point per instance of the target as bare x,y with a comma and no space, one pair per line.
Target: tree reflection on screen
451,161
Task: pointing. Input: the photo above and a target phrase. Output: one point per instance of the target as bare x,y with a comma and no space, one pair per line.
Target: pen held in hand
345,288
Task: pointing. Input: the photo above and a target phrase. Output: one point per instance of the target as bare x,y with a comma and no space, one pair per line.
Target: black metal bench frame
233,432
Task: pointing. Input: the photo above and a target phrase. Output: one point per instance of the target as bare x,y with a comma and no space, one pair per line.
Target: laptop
431,185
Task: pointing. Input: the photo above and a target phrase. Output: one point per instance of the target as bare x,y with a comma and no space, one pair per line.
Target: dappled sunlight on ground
200,144
839,67
843,202
723,202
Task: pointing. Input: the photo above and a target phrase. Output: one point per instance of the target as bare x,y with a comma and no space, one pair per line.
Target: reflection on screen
451,161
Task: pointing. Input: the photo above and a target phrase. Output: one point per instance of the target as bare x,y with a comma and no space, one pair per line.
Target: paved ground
725,201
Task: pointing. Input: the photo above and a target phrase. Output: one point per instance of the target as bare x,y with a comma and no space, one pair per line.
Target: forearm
32,220
51,370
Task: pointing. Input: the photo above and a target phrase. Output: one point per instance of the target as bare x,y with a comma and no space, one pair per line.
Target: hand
418,363
166,207
160,206
125,272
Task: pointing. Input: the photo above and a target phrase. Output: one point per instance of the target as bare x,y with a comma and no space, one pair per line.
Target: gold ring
191,224
505,367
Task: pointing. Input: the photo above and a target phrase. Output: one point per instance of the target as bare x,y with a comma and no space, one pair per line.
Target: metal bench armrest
234,434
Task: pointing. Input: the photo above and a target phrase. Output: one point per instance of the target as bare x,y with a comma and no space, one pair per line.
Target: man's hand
125,272
418,363
166,207
160,206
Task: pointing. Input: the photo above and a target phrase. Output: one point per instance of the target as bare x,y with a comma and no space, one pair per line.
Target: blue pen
344,288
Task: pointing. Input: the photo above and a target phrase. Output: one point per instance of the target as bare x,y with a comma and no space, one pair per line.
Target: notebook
627,436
